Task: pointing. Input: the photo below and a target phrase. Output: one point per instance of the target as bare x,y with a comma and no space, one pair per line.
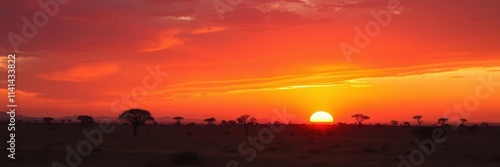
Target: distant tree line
137,117
441,121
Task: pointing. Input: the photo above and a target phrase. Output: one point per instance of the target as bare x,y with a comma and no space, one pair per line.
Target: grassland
295,146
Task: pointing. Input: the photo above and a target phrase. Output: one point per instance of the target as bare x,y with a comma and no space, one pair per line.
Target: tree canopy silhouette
394,123
442,121
178,120
462,121
136,117
47,120
231,122
210,121
360,118
246,120
418,118
85,119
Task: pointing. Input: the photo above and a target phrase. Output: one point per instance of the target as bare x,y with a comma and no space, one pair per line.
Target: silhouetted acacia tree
394,123
136,117
85,119
223,122
360,118
178,119
442,121
462,121
246,120
47,120
210,121
406,124
418,118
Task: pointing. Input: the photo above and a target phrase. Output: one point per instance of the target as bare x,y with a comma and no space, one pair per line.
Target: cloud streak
82,73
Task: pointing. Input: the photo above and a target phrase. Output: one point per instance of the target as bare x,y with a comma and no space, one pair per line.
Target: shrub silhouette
136,117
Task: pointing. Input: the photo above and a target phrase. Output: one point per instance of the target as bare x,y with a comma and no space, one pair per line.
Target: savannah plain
217,145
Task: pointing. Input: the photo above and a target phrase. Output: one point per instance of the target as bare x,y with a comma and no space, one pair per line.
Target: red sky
264,54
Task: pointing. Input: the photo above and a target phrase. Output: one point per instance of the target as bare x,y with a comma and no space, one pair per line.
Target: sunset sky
263,54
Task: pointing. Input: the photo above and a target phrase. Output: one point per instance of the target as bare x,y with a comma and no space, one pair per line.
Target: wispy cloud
82,73
164,40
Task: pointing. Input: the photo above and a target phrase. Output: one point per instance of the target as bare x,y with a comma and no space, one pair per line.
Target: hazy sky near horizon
264,54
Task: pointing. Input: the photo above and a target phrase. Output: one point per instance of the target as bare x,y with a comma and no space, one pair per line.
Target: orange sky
264,54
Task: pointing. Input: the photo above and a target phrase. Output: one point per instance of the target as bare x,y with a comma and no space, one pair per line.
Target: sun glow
321,117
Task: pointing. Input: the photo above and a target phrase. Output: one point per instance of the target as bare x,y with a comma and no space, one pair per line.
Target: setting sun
321,117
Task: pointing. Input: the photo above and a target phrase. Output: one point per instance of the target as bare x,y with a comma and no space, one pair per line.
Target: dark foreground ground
295,146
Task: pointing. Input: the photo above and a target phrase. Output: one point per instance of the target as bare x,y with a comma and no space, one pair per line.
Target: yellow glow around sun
321,117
